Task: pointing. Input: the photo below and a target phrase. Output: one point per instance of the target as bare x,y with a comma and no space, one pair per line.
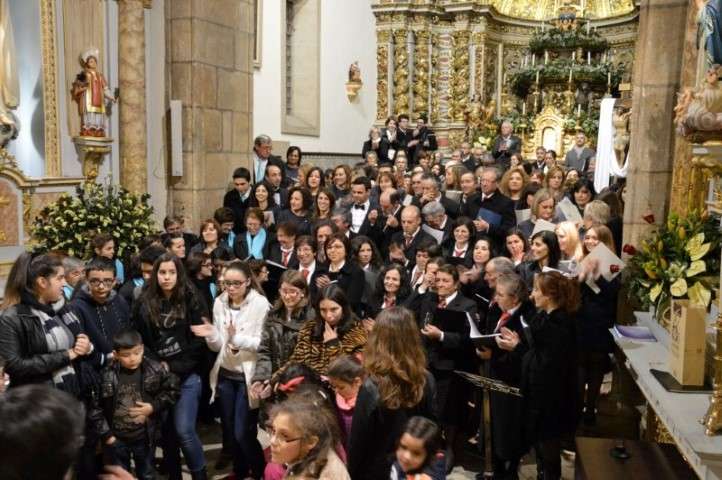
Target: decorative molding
53,163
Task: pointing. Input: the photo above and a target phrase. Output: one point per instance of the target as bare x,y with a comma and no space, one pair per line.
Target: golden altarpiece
467,64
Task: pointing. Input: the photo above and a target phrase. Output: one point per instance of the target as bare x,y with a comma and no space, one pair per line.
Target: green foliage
557,71
70,223
680,260
555,39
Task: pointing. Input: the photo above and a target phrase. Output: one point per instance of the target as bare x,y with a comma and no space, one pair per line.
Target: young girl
345,374
303,437
417,455
104,246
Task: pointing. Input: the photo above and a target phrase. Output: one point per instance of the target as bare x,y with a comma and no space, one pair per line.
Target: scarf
255,244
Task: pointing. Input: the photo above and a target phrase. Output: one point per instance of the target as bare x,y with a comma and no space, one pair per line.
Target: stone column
658,60
131,82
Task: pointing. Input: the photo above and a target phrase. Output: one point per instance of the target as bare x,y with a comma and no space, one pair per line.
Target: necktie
408,241
305,273
442,304
503,319
359,207
284,258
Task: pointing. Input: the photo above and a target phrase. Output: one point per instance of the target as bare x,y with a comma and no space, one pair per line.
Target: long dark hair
335,294
322,182
290,150
245,269
253,201
25,271
380,290
358,242
552,243
183,292
564,291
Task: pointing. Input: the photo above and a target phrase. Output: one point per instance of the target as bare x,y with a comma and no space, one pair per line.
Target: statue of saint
9,82
620,122
709,36
90,91
701,111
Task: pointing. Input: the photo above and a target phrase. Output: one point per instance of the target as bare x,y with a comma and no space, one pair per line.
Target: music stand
487,385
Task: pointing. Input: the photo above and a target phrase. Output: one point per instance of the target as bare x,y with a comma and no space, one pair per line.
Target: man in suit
510,306
506,145
436,218
422,139
467,159
362,206
580,156
262,157
470,197
386,221
431,188
411,233
274,180
537,164
282,250
237,199
342,219
403,134
495,201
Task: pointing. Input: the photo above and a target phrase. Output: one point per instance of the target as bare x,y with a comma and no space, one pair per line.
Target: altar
680,413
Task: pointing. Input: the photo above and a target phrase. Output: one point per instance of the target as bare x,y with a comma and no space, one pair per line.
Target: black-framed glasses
96,282
280,439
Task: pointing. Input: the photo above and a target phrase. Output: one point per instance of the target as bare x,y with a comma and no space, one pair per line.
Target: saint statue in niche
91,91
354,81
9,82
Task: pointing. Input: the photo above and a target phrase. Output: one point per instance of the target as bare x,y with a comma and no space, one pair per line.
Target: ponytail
564,291
25,271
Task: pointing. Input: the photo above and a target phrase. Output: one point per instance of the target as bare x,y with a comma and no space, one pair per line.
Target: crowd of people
331,309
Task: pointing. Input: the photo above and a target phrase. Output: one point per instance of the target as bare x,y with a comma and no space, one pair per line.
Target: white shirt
420,279
259,167
311,269
330,268
450,298
358,215
462,251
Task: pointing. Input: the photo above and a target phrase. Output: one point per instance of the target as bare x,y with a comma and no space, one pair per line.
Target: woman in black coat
299,211
256,241
397,387
343,271
549,374
378,144
392,289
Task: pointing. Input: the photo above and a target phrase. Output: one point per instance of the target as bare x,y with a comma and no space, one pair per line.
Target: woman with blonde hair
452,177
541,209
397,387
554,182
569,242
512,184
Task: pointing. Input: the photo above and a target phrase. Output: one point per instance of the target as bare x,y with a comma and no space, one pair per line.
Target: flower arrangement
556,39
69,223
557,71
681,260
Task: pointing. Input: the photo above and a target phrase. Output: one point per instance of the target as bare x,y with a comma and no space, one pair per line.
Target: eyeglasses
96,282
232,283
279,439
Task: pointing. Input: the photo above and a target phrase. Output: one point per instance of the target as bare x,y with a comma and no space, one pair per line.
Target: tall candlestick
570,75
533,59
579,110
546,57
609,78
537,77
589,58
574,56
523,108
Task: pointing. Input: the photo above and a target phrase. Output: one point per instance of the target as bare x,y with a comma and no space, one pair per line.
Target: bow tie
360,207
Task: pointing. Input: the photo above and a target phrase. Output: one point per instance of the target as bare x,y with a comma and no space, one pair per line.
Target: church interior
133,117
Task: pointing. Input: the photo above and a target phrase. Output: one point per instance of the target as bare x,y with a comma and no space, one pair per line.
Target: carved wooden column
421,71
382,72
131,81
401,72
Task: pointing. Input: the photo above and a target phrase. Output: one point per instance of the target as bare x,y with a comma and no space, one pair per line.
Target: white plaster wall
155,50
347,35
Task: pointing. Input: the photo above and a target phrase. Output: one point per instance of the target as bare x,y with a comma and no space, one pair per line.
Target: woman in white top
238,316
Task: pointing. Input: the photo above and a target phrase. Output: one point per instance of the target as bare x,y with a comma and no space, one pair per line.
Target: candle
609,78
523,108
574,56
589,58
588,27
570,75
579,110
533,59
537,76
546,57
504,78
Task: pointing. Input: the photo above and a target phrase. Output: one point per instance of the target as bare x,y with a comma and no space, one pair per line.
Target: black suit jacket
275,255
427,143
410,251
470,206
240,246
366,226
382,234
454,351
283,194
303,224
503,157
504,206
272,160
352,280
232,200
382,150
471,163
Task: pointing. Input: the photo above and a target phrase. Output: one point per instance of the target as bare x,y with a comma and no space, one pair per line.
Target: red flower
614,268
629,249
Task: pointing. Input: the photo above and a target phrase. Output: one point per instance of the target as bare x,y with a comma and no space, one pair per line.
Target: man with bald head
501,207
505,145
386,221
411,234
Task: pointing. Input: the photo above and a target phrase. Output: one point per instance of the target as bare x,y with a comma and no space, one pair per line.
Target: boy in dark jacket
134,391
102,312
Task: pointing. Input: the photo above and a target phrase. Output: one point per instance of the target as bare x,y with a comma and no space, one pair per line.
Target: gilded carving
401,73
53,166
421,72
382,84
434,78
460,82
